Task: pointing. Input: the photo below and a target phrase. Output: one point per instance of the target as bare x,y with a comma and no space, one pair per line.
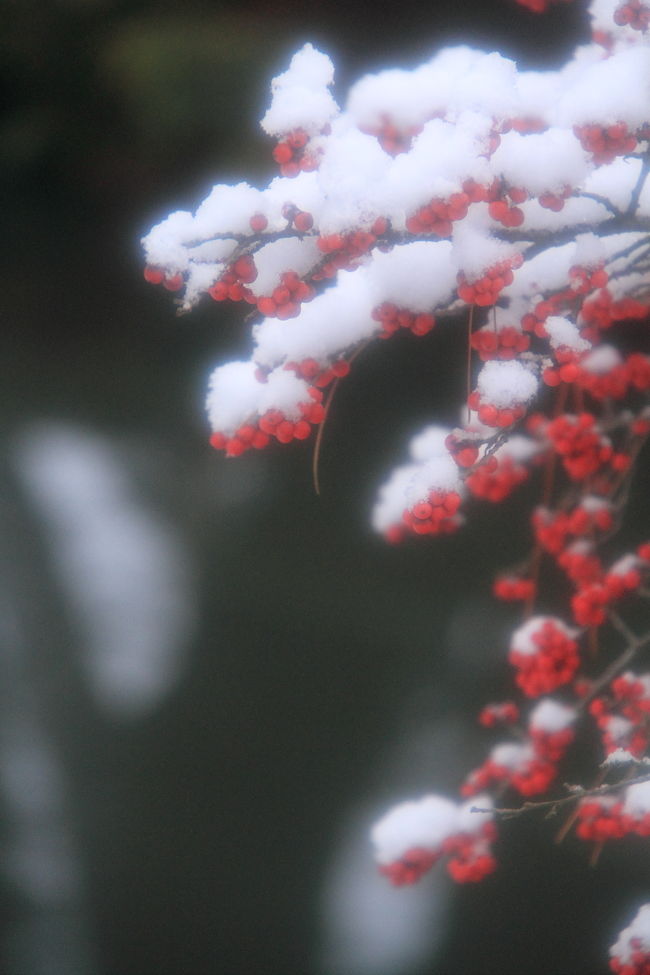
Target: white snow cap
637,800
518,448
391,500
300,95
438,474
512,755
425,823
563,333
506,384
434,470
236,396
551,716
547,162
633,938
602,360
607,91
429,443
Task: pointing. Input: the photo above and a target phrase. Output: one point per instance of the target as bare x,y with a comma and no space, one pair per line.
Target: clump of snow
627,563
429,443
286,254
236,396
602,360
470,820
518,447
437,474
607,91
424,823
541,163
563,333
551,716
512,755
589,250
165,244
403,276
336,320
300,95
506,384
637,800
391,500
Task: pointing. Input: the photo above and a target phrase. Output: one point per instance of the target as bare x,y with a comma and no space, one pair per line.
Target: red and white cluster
527,766
590,518
545,654
495,478
591,601
610,817
423,497
414,835
630,954
248,410
623,716
503,392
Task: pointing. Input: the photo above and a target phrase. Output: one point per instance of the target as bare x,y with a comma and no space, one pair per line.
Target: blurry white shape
369,927
122,567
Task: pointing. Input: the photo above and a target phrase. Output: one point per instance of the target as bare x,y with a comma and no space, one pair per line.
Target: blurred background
212,681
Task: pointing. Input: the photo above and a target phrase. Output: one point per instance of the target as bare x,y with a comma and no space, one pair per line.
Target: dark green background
206,829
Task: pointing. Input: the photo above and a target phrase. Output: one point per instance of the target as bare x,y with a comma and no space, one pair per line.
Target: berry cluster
413,836
506,342
514,588
606,142
272,424
545,654
631,953
437,216
433,199
623,717
530,765
292,154
496,478
634,14
392,319
437,515
504,712
485,289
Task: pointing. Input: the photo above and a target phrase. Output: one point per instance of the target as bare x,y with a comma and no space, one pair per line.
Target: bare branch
576,792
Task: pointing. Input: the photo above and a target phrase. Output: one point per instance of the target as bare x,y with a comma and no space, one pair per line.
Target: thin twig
576,793
319,434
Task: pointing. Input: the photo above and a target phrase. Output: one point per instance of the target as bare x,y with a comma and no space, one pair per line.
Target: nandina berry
154,275
173,282
303,221
244,268
283,153
410,867
258,222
